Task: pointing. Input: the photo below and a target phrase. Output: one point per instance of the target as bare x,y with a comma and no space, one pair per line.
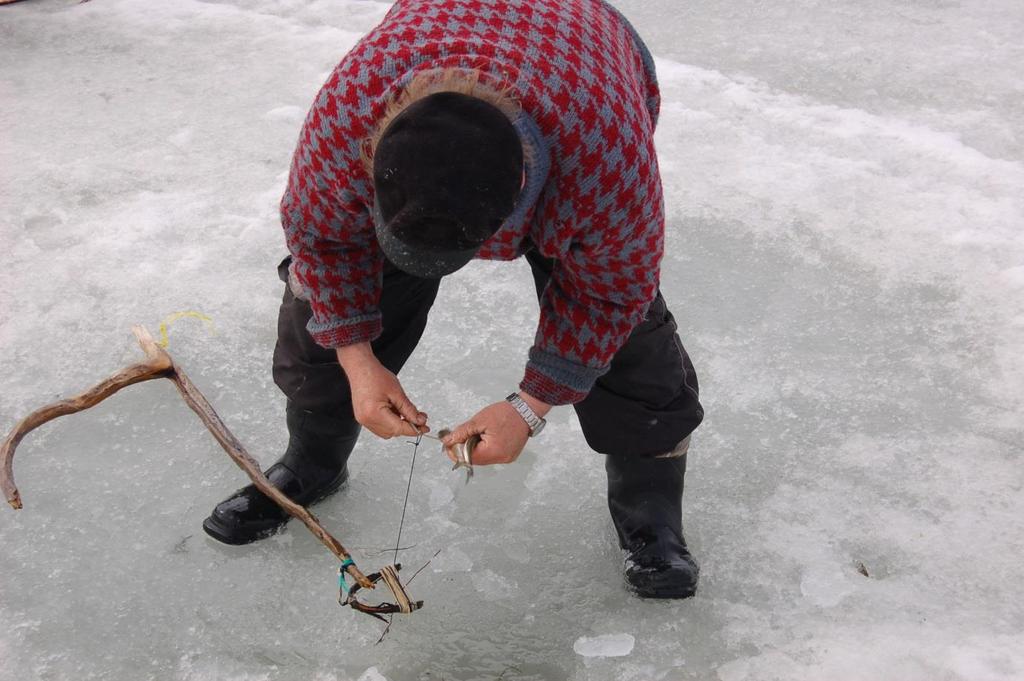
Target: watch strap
533,422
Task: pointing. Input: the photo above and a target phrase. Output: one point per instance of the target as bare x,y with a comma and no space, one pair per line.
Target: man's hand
378,401
503,432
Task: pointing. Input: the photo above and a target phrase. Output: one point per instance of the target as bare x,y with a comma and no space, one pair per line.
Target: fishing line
170,319
401,524
408,487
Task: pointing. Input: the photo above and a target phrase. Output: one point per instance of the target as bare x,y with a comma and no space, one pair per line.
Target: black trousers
645,405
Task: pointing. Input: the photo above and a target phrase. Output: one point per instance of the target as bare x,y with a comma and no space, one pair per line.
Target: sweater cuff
347,332
556,380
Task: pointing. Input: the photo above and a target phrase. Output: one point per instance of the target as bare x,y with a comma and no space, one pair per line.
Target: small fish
463,452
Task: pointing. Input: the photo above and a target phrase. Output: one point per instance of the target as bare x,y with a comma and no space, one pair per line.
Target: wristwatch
535,422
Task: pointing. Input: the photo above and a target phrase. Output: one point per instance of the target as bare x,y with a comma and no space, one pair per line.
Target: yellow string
170,319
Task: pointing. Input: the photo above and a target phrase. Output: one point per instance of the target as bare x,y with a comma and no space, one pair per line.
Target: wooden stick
389,573
159,364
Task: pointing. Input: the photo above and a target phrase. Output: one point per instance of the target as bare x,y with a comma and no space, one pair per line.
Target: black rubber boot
645,499
313,467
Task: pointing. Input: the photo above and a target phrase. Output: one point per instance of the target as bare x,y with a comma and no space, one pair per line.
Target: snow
845,257
607,645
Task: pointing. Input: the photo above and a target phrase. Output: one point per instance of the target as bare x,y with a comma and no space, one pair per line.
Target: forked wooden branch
158,364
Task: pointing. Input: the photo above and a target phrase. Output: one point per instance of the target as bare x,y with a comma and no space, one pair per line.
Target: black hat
446,174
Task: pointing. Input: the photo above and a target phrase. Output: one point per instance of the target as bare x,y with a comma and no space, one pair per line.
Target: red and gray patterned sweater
592,201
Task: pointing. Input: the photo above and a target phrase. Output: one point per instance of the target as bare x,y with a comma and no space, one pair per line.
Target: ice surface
845,257
372,674
607,645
